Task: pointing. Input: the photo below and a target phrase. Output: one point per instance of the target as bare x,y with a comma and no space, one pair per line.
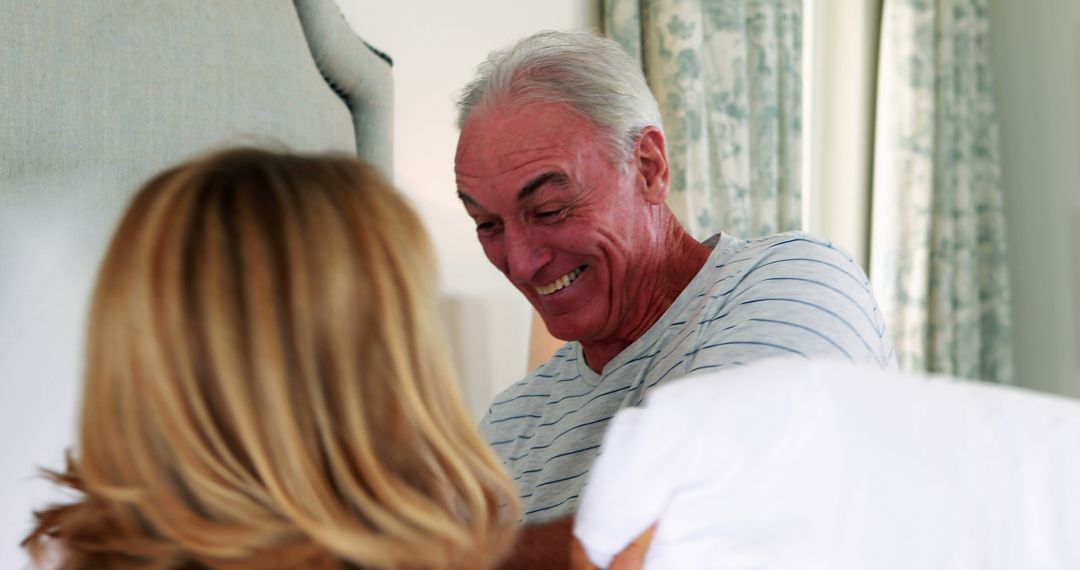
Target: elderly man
561,163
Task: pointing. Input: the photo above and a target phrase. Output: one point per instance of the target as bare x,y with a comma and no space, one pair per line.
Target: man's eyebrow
535,184
526,191
467,200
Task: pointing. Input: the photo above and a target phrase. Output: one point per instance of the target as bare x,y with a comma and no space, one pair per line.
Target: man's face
554,213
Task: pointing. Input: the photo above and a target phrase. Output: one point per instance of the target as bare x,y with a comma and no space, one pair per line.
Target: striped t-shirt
782,295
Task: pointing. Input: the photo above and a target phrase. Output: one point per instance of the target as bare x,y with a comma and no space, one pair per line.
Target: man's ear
650,160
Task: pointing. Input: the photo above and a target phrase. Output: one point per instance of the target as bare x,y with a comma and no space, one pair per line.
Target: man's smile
560,283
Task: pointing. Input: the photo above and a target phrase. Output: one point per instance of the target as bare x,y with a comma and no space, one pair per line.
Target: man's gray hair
591,74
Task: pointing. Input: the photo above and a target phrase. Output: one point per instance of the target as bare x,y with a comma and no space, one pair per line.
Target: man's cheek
496,255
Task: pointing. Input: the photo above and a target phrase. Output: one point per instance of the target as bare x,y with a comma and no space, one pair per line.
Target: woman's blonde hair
267,385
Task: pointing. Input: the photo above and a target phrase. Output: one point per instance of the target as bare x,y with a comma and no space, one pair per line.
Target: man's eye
548,214
485,228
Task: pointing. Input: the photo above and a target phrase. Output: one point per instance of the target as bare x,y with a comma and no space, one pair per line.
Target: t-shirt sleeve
798,297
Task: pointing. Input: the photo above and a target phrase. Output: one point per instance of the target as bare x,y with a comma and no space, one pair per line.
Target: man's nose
525,255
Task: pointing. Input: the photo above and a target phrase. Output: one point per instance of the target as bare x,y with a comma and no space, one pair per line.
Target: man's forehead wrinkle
533,149
502,153
485,138
493,165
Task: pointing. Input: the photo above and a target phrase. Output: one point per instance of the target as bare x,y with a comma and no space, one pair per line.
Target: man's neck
663,282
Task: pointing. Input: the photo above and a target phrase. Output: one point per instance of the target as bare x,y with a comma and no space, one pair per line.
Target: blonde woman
266,385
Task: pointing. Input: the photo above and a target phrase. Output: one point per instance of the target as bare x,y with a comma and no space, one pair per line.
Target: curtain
938,259
727,75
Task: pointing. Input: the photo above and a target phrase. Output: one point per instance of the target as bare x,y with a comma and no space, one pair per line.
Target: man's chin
566,321
558,328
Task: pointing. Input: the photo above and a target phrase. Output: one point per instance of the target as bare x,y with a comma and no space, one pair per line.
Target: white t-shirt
787,465
784,295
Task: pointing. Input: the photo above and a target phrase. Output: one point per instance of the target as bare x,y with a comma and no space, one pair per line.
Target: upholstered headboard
94,98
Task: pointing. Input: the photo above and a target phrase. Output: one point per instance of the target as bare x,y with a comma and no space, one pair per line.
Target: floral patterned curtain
727,75
938,261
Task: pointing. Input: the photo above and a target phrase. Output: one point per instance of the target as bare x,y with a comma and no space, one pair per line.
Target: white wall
839,62
1036,50
55,242
436,47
